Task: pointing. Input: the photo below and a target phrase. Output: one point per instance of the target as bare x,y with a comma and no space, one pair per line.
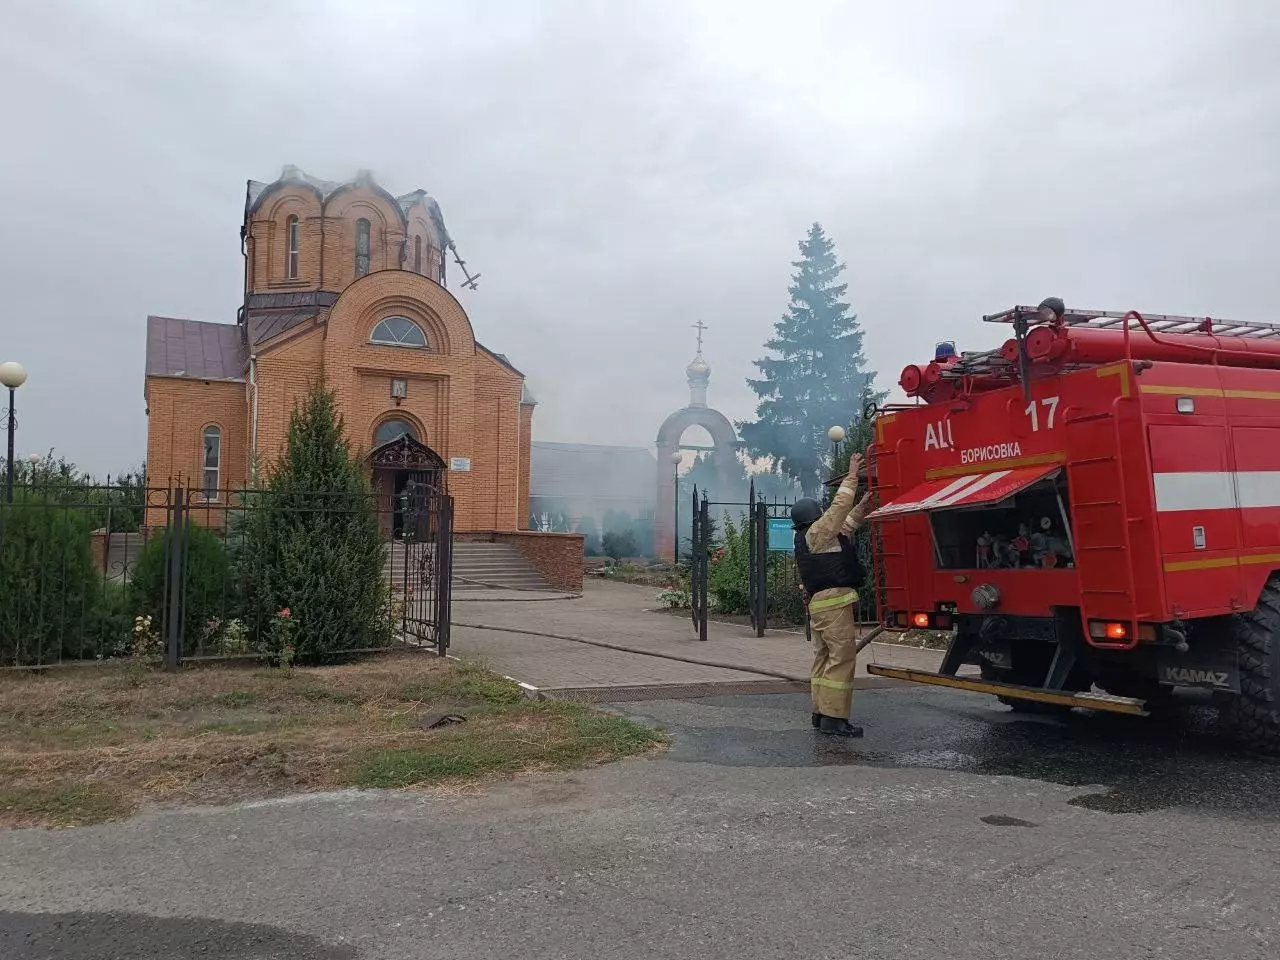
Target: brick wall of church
493,496
284,376
478,417
178,412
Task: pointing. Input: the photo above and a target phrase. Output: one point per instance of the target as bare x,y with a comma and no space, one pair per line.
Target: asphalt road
953,829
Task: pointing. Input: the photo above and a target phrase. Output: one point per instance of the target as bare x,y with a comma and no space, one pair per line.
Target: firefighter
831,572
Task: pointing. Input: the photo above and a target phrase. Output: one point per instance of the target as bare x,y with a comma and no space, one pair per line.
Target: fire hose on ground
701,661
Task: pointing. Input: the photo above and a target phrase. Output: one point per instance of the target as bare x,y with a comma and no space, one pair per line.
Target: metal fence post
752,543
760,567
175,579
694,571
704,558
444,575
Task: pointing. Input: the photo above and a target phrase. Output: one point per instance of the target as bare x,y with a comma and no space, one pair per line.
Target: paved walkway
537,642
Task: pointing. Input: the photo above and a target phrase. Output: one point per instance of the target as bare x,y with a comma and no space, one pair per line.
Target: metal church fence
774,592
769,584
101,573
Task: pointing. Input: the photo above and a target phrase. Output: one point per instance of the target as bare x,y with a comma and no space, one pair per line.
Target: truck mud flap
1090,701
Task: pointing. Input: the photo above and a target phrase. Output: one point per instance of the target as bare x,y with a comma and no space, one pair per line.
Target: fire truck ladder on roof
992,364
1157,322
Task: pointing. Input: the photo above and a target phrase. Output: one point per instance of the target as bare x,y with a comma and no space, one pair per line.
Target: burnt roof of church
302,298
591,471
502,359
271,314
264,325
194,349
257,189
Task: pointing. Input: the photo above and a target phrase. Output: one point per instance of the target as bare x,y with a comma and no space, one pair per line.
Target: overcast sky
618,171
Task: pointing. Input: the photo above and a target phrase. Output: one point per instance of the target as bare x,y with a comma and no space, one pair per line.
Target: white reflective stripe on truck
1219,490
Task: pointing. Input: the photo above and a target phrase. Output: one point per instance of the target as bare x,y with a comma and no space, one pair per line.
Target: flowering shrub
397,609
147,648
234,637
728,586
676,596
282,628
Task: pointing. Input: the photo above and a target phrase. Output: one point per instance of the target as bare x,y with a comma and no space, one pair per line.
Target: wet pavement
1125,764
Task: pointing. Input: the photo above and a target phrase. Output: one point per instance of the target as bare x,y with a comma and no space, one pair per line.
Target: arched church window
291,258
417,254
398,332
393,429
212,461
362,247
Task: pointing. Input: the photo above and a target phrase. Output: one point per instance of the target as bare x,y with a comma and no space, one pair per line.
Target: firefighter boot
837,727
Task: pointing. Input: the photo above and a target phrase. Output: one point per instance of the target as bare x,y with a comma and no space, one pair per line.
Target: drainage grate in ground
682,691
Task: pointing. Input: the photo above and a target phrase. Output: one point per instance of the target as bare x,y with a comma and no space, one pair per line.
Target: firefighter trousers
834,624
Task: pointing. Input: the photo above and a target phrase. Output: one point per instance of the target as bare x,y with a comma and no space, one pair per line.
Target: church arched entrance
406,472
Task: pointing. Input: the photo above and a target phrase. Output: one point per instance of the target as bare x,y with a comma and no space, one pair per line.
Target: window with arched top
398,332
417,254
362,247
393,429
212,461
291,233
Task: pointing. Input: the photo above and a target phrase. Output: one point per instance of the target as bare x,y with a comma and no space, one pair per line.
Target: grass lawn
89,745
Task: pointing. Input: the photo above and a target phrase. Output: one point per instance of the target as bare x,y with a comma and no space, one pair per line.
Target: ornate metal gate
425,575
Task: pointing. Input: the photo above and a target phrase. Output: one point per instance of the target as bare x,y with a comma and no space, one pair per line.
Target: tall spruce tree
818,376
311,544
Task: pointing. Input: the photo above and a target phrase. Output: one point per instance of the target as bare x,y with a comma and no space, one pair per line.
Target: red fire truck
1094,509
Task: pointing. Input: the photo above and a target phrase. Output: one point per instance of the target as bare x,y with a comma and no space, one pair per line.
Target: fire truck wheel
1256,712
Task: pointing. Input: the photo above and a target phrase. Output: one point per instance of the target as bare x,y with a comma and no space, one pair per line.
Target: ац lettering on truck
1093,507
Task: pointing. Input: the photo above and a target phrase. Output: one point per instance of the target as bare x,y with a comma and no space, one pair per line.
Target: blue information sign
781,535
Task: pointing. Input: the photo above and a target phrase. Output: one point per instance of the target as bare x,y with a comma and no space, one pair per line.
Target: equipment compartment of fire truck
1094,510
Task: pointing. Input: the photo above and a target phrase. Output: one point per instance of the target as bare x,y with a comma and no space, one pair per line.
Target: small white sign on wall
460,464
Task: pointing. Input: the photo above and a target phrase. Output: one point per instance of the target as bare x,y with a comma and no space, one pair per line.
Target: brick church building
347,281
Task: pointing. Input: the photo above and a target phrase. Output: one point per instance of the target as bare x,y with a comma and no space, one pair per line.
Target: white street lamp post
12,375
835,435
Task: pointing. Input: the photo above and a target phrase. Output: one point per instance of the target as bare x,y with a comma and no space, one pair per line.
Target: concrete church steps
478,566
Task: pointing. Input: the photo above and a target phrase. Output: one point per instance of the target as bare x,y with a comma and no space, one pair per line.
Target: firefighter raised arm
831,572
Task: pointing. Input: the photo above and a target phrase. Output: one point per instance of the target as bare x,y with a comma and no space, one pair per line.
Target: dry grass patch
91,745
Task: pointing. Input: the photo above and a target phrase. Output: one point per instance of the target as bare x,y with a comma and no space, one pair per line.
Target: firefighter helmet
1054,305
804,512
